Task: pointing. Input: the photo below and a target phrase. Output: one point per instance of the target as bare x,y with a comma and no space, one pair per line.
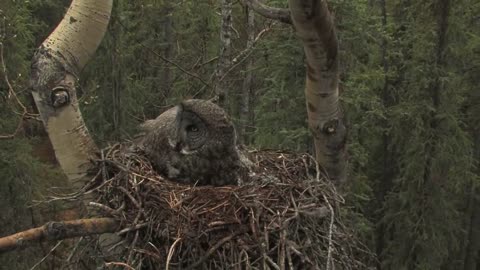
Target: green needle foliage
409,88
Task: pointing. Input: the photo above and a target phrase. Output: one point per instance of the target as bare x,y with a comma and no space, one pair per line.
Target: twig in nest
103,207
74,249
170,253
119,264
46,256
211,251
330,233
134,228
134,201
132,248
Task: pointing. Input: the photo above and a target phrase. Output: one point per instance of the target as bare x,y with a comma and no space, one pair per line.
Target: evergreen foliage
409,84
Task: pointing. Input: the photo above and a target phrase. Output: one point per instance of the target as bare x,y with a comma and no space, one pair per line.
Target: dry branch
279,14
59,230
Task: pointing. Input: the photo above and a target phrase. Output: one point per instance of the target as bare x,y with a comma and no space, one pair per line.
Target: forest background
409,88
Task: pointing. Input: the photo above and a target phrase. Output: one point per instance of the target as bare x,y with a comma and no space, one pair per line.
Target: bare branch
58,231
11,94
245,54
279,14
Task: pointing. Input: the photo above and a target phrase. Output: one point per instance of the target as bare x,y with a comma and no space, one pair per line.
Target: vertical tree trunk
224,61
385,181
248,80
314,25
169,46
117,71
472,250
436,86
55,69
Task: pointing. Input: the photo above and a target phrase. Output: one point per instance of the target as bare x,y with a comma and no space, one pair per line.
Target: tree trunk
224,61
248,80
436,88
168,51
55,70
472,251
117,71
314,25
385,182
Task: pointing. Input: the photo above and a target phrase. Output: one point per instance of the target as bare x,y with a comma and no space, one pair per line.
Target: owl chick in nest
194,143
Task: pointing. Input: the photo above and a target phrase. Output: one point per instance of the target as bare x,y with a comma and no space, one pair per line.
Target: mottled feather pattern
180,149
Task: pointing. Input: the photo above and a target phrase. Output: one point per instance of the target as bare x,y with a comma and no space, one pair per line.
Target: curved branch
315,28
59,230
55,70
279,14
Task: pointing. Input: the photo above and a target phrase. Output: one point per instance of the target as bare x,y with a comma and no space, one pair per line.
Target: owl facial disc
190,132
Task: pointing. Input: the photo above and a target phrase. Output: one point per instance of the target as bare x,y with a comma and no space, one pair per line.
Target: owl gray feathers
194,143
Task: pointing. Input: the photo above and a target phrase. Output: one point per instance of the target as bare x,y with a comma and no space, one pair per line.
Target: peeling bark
55,69
315,28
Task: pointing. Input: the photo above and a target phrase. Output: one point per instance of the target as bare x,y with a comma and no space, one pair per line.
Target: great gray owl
194,142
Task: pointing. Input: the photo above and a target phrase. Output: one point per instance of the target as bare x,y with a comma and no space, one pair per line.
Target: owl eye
192,128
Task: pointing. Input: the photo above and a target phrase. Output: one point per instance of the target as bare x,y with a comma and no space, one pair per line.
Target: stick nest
285,217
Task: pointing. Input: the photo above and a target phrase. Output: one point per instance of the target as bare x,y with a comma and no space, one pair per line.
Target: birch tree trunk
55,71
224,62
315,28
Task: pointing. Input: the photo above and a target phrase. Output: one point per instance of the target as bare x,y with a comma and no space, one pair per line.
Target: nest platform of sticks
286,217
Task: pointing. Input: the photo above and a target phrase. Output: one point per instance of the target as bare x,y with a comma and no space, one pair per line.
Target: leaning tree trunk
55,71
314,25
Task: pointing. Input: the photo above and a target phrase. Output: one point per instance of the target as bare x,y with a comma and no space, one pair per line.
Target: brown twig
211,251
48,254
108,264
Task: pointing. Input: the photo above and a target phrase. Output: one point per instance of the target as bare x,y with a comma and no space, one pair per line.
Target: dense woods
409,90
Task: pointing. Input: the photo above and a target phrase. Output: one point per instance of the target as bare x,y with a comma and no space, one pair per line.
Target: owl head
193,142
200,125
